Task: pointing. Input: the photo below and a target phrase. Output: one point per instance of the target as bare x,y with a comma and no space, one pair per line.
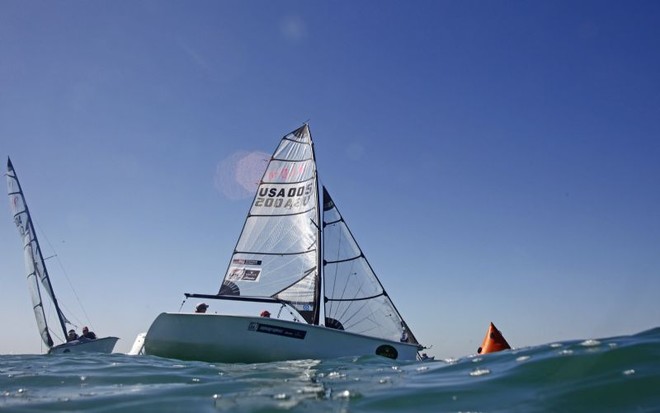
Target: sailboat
39,281
295,250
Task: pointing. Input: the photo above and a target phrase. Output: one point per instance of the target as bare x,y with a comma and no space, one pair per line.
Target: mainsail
34,262
284,254
355,300
277,254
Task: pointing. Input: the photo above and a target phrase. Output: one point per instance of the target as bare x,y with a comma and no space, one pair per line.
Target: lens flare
237,176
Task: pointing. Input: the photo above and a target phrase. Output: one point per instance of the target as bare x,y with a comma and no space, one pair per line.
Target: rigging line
66,275
366,317
355,300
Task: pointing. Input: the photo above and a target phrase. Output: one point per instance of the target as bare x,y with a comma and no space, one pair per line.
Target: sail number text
292,197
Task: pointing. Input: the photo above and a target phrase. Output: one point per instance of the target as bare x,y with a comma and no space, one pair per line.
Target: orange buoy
493,342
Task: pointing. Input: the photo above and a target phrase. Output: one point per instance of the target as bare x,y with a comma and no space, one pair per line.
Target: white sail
355,300
277,254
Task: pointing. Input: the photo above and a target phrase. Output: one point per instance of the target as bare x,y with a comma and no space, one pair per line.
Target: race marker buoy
493,342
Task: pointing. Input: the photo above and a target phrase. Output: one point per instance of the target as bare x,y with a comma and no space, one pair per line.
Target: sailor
88,334
265,313
72,335
201,308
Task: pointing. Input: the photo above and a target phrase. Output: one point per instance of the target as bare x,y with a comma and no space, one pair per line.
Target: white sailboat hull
99,345
244,339
138,345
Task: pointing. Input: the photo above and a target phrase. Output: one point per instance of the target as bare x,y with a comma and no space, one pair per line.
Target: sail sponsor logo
242,261
284,197
277,330
244,274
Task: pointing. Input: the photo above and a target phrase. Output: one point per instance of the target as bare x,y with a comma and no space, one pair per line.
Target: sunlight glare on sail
238,175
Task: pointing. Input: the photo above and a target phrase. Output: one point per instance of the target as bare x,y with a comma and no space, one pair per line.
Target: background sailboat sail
34,261
355,299
277,253
38,278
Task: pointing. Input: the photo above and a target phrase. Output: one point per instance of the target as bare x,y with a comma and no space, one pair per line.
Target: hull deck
99,345
244,339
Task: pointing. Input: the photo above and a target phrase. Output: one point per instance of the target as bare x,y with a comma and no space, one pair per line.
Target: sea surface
617,374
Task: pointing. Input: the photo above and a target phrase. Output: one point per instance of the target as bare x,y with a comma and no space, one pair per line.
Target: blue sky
496,161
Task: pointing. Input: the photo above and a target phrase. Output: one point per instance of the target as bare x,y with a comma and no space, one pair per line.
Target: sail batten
288,214
357,257
273,253
356,298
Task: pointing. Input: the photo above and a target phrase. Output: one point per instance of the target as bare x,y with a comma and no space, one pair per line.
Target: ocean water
617,374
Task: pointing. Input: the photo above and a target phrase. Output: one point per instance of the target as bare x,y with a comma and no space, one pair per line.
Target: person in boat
265,313
89,335
72,335
201,308
404,337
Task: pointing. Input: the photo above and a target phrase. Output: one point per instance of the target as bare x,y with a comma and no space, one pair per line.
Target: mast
33,251
319,239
